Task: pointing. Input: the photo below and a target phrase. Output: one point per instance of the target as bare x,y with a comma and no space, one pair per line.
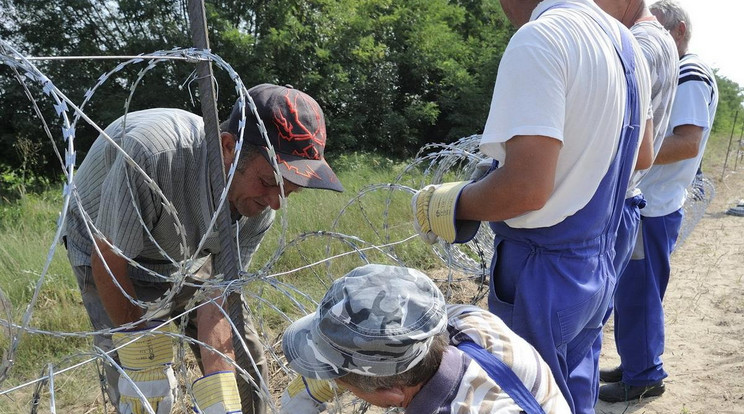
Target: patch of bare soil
704,310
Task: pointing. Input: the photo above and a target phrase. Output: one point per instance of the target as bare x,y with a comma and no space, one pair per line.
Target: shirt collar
443,386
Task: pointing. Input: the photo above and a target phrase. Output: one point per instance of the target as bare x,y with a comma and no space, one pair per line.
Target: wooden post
740,150
736,115
225,262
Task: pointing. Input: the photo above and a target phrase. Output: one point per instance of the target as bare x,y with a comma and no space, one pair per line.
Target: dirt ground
704,309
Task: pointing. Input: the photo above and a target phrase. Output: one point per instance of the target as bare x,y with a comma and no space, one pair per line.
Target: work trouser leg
639,314
100,321
557,303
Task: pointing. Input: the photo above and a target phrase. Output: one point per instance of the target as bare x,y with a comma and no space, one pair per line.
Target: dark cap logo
306,137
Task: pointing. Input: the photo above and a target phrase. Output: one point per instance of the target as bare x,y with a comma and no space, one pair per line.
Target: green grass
28,226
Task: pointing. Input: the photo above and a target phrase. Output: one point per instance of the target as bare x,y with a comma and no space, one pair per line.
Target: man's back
661,54
474,391
168,145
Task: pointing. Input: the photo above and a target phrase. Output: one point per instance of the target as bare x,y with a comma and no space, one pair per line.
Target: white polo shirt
665,186
560,77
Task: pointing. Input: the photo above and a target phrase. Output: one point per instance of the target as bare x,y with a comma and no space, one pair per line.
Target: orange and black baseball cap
296,128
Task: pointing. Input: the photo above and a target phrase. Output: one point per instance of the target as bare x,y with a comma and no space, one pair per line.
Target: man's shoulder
692,67
158,130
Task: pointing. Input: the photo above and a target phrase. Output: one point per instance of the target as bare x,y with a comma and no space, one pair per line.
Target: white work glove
147,361
307,396
483,168
434,214
217,393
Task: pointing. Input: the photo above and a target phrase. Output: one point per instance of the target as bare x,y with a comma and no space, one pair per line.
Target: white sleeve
691,105
529,97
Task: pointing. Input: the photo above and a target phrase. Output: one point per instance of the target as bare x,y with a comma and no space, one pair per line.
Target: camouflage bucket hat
377,320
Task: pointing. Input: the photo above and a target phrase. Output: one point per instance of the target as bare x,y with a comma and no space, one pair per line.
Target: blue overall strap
502,375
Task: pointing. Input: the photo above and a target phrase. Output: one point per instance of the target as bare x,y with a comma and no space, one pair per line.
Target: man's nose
273,198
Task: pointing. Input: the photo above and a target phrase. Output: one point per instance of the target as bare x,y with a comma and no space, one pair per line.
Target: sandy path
704,308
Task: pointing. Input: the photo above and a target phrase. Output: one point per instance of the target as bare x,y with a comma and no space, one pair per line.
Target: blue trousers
627,232
556,300
639,315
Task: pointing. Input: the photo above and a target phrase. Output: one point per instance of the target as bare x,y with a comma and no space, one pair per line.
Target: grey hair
248,152
673,14
418,374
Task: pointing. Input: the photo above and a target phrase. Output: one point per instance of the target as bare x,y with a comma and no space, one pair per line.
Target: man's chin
253,212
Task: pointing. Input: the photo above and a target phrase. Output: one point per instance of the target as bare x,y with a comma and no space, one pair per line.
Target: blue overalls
553,285
627,232
639,315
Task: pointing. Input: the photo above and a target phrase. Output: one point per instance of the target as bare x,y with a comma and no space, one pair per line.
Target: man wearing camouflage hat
386,334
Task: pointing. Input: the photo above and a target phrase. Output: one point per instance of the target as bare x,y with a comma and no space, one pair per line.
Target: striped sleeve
693,70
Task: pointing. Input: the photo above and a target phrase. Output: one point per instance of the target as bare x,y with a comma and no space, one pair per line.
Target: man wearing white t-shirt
638,301
661,56
571,96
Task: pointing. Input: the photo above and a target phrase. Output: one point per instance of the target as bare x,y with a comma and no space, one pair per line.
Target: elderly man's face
254,188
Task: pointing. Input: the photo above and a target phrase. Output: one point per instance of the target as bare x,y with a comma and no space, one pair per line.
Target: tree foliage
730,98
391,75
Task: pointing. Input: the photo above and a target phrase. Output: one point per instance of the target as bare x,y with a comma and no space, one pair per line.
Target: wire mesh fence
277,293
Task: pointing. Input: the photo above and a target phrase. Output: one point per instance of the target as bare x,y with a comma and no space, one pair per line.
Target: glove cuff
442,213
217,388
142,351
319,390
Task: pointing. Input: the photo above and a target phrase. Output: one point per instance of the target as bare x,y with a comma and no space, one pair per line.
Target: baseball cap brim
303,354
307,173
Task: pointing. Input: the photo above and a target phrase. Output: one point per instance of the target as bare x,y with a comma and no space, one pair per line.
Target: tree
730,98
391,75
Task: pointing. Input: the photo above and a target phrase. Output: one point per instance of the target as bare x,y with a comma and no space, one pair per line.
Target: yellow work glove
147,361
307,396
217,393
434,214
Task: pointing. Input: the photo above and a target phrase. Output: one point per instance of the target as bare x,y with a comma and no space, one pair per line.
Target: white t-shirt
665,186
661,55
560,77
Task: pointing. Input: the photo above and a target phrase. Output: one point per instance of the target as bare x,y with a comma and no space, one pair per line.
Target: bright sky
717,33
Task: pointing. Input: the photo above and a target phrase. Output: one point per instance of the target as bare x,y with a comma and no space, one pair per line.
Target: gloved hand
307,396
434,214
147,361
483,168
217,393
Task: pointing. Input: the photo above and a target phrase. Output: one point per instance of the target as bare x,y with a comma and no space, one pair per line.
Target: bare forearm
217,334
683,144
495,198
523,184
118,307
646,151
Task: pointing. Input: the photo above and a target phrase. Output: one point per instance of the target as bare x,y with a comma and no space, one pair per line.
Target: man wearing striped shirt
385,334
140,222
640,342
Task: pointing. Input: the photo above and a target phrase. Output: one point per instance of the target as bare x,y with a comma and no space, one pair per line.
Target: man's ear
228,148
681,30
393,396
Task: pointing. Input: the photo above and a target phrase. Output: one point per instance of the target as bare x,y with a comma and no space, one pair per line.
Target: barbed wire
274,297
